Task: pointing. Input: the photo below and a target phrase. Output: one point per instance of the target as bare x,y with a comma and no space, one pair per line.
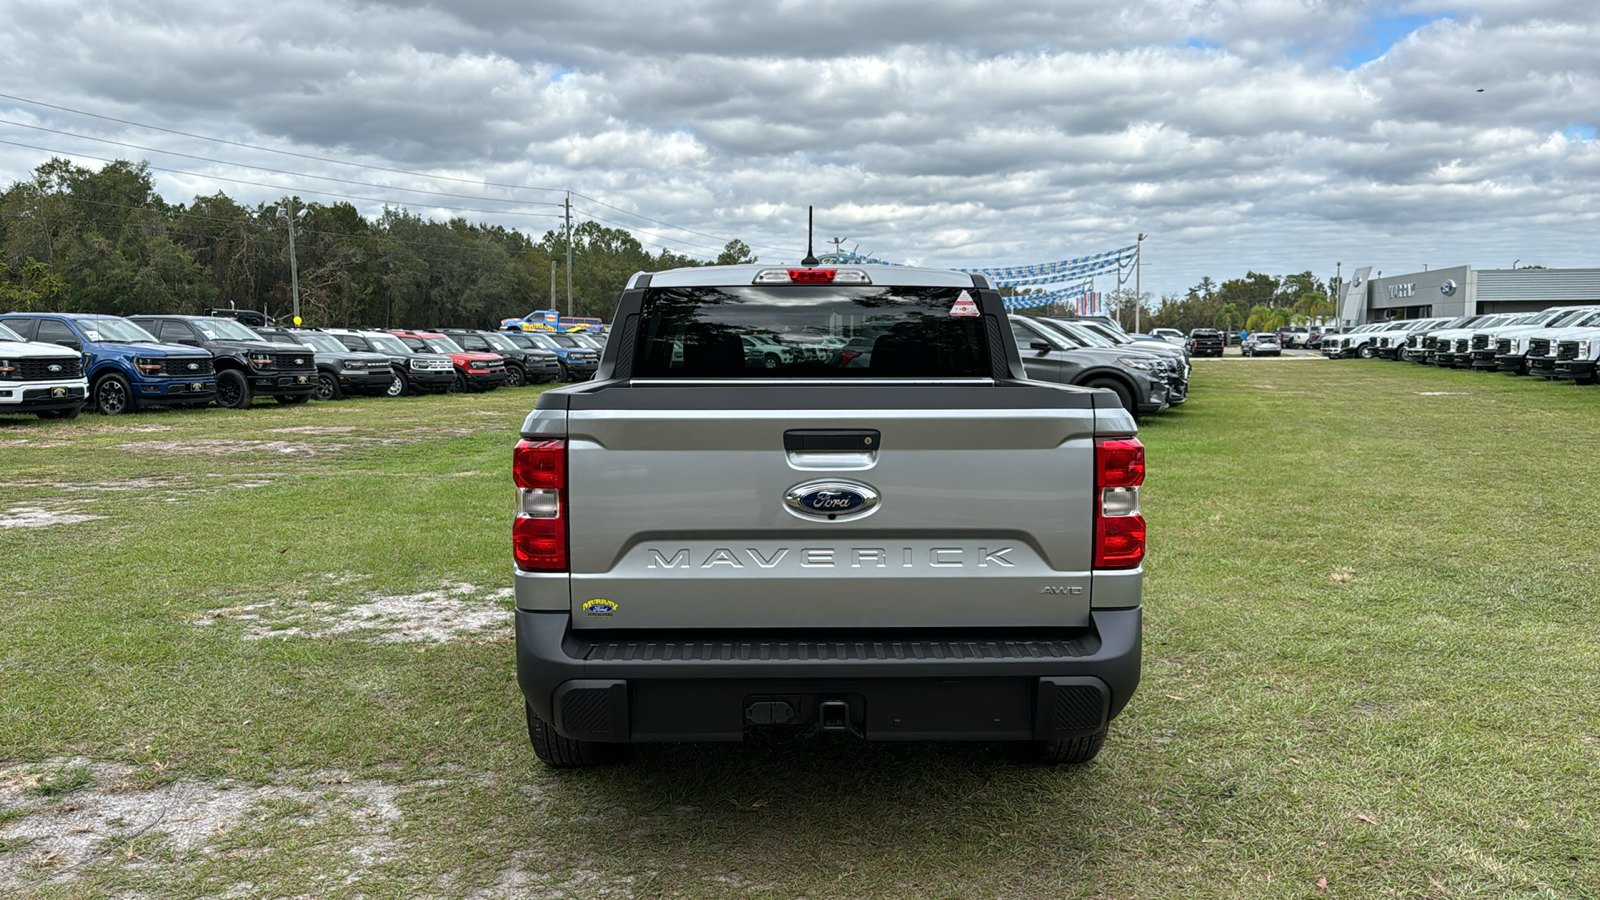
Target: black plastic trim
679,692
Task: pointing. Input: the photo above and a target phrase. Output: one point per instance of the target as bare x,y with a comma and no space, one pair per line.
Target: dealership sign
1396,291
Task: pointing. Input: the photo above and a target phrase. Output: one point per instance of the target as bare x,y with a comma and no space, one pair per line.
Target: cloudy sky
1275,135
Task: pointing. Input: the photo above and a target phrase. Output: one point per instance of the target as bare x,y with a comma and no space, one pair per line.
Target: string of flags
1079,271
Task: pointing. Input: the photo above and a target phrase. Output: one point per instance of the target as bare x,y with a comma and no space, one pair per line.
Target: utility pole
1338,292
569,252
1138,272
294,265
552,284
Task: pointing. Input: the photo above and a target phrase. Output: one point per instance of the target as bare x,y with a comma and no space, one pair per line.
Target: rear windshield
811,331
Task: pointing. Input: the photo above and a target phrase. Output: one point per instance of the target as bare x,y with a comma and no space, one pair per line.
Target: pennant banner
1109,259
1068,296
1080,268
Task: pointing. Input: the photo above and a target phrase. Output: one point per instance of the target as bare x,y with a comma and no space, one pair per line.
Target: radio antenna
811,258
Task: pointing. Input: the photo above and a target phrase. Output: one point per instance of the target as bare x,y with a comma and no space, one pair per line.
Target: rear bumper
706,686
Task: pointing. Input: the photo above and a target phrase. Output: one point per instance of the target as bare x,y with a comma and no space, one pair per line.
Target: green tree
30,287
736,252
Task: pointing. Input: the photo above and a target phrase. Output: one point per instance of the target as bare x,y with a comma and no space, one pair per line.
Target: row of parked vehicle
1559,342
54,364
1148,374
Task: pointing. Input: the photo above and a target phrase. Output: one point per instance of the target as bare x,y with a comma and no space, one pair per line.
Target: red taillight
539,532
1119,529
540,464
812,276
540,544
1118,462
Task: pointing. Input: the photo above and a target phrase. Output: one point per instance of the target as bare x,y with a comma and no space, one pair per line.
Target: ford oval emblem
831,500
299,362
194,367
54,367
1448,287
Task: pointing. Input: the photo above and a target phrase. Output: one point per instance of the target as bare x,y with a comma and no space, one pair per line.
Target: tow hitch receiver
833,715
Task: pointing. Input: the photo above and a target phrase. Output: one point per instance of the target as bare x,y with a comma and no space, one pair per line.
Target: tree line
74,239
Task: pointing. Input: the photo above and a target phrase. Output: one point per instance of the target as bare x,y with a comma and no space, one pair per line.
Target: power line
311,156
272,170
668,224
325,159
276,187
181,214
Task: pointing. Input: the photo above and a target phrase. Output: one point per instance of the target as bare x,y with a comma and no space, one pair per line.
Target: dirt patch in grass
39,517
230,448
454,612
50,838
316,429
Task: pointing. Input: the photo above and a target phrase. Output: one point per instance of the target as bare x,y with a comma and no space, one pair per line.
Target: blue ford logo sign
1447,288
831,500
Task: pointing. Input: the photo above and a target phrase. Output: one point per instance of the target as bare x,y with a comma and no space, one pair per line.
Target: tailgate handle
831,441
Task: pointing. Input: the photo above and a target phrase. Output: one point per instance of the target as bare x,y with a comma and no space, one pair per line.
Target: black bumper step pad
827,650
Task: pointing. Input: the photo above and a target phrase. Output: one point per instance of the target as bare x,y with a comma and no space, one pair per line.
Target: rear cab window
811,331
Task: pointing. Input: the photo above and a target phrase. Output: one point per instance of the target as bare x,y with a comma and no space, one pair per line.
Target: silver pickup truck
901,538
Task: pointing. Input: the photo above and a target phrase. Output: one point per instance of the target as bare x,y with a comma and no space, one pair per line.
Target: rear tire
1071,751
233,390
559,752
1124,396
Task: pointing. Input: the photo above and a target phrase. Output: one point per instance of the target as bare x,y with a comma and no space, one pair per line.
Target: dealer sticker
964,306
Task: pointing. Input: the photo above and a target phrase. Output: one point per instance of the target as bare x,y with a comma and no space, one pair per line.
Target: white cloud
958,132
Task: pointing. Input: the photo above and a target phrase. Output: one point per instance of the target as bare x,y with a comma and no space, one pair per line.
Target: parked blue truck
126,366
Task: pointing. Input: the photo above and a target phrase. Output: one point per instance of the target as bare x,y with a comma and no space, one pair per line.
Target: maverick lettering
831,558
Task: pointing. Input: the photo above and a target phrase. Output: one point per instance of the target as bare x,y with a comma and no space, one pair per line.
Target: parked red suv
474,371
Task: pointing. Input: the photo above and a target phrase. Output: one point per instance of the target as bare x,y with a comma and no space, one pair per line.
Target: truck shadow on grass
800,815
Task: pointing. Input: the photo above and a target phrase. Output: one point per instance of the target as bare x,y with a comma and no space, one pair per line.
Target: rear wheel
233,390
565,753
113,397
1071,751
328,386
1124,396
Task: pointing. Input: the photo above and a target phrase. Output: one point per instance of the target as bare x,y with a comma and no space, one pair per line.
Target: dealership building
1464,291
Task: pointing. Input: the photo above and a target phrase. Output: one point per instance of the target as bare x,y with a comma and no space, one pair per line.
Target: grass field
267,654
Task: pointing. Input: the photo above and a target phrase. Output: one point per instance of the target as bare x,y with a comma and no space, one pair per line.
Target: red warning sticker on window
964,306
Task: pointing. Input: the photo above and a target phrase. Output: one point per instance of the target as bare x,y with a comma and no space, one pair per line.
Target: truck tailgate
679,517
